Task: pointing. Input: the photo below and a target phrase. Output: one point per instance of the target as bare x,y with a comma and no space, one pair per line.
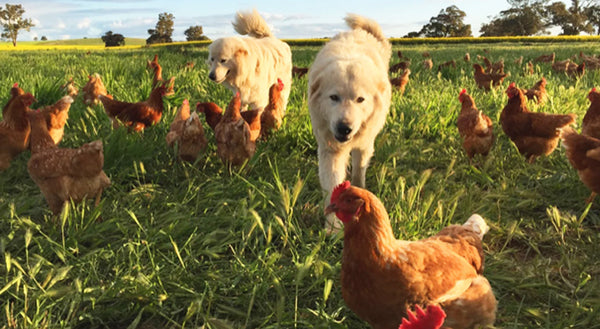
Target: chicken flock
382,278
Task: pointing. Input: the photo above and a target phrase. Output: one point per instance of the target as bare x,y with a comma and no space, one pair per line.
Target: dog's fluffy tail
252,24
358,22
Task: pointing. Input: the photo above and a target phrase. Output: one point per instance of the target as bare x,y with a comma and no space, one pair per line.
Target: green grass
200,245
80,42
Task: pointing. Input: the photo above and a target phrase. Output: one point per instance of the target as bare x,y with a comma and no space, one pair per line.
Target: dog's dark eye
335,98
223,60
360,99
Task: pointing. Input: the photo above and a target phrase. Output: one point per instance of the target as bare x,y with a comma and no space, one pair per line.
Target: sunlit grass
192,245
70,44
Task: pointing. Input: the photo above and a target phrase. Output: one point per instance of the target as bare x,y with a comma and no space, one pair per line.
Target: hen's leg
591,198
55,204
4,161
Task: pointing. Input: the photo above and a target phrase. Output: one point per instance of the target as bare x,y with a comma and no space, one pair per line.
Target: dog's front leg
332,172
332,169
360,162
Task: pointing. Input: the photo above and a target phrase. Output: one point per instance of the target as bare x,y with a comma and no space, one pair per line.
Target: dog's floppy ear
314,87
381,86
241,52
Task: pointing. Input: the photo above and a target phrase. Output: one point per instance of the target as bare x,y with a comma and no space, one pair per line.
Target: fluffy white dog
251,65
349,96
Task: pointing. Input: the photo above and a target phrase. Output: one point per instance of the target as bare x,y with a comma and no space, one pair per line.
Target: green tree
525,17
11,19
593,14
412,34
573,20
194,33
163,31
448,23
111,39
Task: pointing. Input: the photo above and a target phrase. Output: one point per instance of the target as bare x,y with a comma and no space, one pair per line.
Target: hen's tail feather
252,24
477,224
566,133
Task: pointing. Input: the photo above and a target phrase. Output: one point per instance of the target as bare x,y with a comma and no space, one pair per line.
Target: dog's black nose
212,76
342,131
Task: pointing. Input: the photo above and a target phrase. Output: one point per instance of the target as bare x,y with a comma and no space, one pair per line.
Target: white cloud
36,22
84,23
65,37
61,25
118,23
94,32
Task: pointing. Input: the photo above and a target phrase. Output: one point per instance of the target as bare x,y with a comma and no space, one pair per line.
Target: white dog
251,65
349,96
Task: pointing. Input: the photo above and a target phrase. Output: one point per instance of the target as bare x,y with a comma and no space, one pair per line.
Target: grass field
89,43
202,246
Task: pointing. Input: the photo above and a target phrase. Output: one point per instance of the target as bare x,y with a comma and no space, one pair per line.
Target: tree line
12,21
161,33
523,18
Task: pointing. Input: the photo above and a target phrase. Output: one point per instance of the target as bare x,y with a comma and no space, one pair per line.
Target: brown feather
381,276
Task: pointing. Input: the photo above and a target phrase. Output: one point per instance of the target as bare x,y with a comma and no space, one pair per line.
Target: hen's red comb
338,190
186,102
16,85
279,84
431,318
511,87
464,91
593,90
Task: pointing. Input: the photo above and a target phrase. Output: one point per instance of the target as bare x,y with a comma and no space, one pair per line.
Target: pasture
178,245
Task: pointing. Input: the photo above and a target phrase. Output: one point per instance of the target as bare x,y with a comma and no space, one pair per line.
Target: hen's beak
331,208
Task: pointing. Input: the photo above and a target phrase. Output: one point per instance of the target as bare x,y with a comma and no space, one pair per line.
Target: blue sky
63,19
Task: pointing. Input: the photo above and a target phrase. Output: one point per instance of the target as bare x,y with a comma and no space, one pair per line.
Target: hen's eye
335,98
223,60
360,99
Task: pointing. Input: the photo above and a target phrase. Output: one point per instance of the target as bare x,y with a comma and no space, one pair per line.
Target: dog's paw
333,225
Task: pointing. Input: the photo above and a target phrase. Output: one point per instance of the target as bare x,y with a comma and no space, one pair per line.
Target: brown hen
399,66
93,88
136,116
272,116
537,92
381,277
64,174
56,117
474,127
399,83
533,133
583,153
213,114
545,58
14,92
15,128
70,88
186,130
234,143
487,80
590,125
299,72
